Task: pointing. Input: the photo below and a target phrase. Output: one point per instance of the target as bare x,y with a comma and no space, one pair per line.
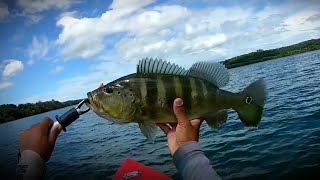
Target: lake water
286,144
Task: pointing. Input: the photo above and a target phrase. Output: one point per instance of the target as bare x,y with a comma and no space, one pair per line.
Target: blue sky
63,49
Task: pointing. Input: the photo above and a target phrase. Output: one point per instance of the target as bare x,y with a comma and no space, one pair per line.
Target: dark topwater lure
146,96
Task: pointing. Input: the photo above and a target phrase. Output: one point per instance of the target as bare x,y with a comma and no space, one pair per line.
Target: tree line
10,112
264,55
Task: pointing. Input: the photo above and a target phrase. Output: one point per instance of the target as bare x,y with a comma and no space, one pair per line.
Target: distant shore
265,55
11,112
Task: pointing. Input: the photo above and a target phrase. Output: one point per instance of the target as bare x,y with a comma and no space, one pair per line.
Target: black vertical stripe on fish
161,92
186,93
194,93
205,95
200,92
152,95
204,89
170,92
210,90
142,85
136,87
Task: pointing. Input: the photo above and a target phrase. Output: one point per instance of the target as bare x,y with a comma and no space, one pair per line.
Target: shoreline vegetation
265,55
10,112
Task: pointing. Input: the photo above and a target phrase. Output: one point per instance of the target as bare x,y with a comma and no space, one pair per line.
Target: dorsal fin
215,73
158,66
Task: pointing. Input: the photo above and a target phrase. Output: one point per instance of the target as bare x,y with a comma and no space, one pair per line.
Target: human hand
182,132
37,138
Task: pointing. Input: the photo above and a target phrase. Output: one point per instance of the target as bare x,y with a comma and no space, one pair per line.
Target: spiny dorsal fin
158,66
215,73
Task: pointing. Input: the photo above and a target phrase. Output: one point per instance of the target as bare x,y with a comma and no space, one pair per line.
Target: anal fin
149,130
215,119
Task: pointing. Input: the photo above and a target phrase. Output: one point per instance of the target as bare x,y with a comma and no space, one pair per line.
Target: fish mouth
93,103
89,95
90,103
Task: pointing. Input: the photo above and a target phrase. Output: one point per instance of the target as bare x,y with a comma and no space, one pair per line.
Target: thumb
54,132
179,112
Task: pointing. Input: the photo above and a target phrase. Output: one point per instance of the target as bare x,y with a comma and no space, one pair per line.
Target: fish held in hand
146,97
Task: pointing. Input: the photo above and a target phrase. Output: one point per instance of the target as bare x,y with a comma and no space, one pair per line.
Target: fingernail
178,102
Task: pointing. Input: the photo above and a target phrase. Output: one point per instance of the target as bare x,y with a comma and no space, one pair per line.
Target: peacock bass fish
146,97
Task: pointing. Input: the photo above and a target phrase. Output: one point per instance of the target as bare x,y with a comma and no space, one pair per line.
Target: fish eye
248,100
108,90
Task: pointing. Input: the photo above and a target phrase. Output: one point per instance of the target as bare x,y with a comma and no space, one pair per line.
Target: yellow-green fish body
146,97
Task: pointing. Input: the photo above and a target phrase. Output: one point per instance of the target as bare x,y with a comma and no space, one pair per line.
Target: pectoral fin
149,130
215,119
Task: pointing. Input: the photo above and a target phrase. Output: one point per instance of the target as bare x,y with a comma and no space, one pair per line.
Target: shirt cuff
183,152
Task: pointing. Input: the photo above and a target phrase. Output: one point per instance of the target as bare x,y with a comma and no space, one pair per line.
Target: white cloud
205,42
34,6
83,37
68,13
33,18
5,84
39,48
30,18
303,21
141,28
11,68
129,4
4,12
57,69
31,9
197,48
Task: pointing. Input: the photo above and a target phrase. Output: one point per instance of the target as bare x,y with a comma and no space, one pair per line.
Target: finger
173,126
54,132
179,112
45,125
196,123
165,128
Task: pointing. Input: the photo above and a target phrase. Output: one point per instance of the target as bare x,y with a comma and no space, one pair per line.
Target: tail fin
254,97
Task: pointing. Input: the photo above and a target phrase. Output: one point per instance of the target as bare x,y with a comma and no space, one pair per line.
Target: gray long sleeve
192,163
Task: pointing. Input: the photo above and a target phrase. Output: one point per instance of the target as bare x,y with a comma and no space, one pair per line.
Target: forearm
30,166
192,163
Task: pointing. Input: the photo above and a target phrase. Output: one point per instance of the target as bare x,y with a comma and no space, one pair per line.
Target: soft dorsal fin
215,73
158,66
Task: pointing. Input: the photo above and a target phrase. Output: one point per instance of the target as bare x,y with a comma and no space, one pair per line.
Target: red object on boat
132,170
